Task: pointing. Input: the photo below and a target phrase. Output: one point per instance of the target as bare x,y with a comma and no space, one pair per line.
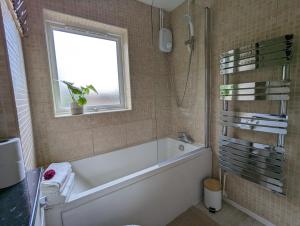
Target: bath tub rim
100,191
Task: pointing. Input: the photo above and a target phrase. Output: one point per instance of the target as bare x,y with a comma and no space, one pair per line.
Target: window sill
68,114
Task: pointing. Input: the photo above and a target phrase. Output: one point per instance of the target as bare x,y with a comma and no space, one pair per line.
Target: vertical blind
19,11
19,84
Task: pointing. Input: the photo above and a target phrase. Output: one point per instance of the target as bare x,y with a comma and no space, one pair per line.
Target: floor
228,216
193,217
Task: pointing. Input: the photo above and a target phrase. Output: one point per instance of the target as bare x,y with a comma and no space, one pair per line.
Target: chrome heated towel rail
256,162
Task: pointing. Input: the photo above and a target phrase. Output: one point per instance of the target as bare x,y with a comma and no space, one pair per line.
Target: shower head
190,42
188,19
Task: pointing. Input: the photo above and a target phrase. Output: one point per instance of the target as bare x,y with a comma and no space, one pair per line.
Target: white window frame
119,35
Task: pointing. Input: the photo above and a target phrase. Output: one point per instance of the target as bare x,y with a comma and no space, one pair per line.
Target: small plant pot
76,109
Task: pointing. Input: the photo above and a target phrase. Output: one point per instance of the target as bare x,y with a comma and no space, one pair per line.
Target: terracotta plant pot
76,109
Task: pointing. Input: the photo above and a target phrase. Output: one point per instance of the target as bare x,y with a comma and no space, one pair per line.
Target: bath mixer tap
185,137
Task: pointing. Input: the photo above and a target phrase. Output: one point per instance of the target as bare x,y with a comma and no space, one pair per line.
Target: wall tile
8,122
109,138
191,114
69,146
149,80
139,132
236,23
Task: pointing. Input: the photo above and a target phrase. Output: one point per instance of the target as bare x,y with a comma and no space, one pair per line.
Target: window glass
84,60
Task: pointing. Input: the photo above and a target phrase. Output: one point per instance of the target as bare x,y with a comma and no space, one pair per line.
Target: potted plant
78,96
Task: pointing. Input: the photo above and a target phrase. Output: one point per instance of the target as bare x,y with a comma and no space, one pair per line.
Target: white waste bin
212,195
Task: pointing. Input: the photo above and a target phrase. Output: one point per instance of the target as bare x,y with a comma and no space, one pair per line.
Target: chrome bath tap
185,137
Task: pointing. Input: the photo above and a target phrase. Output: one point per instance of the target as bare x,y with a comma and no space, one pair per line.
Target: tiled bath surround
236,23
71,138
153,112
190,116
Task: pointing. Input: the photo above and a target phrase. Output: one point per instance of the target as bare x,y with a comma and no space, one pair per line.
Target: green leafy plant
78,93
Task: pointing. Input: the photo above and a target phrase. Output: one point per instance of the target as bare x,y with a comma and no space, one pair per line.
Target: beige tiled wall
236,23
66,139
189,116
8,126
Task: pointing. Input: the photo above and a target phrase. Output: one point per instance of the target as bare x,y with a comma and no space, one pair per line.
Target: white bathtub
148,184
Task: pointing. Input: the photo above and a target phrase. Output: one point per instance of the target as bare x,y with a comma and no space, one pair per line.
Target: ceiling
168,5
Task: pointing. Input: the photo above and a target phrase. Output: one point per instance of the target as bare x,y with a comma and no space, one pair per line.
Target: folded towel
53,190
69,186
54,199
62,171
